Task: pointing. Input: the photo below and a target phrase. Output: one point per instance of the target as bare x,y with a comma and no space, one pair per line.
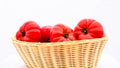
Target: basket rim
14,40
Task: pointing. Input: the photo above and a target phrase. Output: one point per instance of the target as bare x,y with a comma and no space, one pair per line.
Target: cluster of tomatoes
30,31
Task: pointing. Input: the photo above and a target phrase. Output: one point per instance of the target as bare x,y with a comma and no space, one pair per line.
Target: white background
13,13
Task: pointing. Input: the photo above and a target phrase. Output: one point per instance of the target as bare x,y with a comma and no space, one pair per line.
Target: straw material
71,54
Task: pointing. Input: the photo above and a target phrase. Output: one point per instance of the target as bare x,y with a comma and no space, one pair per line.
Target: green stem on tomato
66,35
23,33
85,31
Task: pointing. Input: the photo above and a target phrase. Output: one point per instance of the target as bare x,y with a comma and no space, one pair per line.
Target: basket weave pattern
72,54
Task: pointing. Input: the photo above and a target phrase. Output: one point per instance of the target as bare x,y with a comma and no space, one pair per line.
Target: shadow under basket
70,54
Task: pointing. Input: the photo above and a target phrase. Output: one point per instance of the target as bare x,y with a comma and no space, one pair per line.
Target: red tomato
29,31
60,33
88,29
45,31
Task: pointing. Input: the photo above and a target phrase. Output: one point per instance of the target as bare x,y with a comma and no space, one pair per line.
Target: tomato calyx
66,35
85,31
48,40
23,33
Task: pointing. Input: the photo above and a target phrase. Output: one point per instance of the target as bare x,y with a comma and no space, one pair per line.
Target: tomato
45,31
61,33
88,29
30,31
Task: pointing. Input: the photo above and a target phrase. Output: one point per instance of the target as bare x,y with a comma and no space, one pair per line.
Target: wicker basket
70,54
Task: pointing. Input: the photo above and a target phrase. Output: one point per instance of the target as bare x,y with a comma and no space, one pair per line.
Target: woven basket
70,54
